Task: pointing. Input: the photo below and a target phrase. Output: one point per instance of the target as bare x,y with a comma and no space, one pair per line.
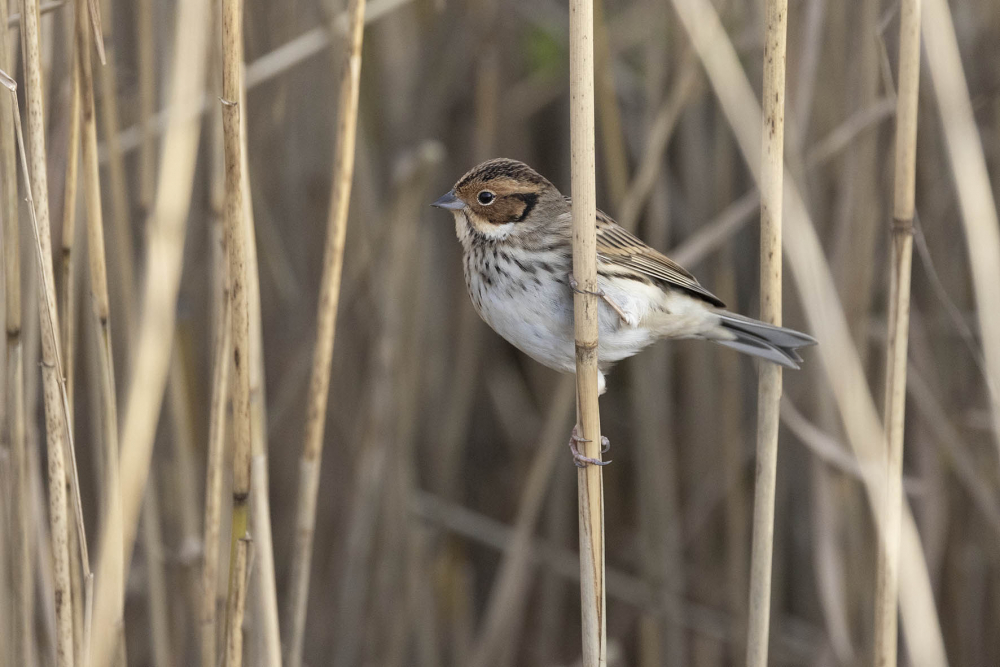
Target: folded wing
623,253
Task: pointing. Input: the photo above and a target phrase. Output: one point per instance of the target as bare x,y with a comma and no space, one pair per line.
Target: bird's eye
486,197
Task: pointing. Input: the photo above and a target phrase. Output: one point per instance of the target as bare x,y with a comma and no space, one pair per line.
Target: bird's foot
575,286
581,461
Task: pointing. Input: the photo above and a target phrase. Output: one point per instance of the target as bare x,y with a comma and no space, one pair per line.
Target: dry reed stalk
237,601
121,234
267,598
158,602
39,544
146,39
887,567
825,315
236,250
510,587
221,331
99,294
585,314
155,330
769,380
67,284
213,485
329,297
53,390
22,646
77,585
972,182
22,630
6,524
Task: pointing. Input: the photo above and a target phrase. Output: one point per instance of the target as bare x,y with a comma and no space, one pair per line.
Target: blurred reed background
445,523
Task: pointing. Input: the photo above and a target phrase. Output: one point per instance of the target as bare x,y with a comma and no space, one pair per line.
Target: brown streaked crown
502,191
501,168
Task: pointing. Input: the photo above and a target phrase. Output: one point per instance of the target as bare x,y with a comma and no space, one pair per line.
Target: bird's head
501,198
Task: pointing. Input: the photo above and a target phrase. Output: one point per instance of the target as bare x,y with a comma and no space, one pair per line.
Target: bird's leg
575,286
581,461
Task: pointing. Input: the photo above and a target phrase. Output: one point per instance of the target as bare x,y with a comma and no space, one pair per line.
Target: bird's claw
575,286
581,461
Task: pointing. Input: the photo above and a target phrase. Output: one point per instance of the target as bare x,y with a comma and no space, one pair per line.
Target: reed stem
326,324
53,391
769,380
887,566
222,337
67,273
236,247
99,294
22,568
590,497
121,228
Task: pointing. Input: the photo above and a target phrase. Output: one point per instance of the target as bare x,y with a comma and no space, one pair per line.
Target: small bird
515,228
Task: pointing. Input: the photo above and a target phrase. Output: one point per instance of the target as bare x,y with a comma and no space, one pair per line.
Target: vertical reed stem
887,572
67,292
585,314
147,102
121,230
55,415
267,594
236,246
159,593
22,632
329,297
222,330
769,381
99,294
213,491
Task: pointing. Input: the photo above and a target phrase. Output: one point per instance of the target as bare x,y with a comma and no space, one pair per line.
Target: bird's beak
449,201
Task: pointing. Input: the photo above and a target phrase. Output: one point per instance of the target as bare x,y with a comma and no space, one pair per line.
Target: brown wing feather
619,249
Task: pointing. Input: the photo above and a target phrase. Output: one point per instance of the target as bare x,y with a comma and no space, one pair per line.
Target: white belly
538,320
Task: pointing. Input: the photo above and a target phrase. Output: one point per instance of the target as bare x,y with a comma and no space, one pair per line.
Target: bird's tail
763,340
